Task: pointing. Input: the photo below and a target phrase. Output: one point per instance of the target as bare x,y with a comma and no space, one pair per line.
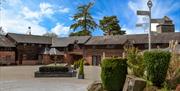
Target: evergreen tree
110,26
83,20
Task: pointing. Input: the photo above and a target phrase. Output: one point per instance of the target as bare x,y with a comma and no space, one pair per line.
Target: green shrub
77,64
157,63
113,73
53,69
135,61
81,68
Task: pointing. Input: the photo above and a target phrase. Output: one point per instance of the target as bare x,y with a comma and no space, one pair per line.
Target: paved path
21,78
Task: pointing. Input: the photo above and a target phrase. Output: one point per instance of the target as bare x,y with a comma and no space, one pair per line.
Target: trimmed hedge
53,69
81,68
157,63
113,73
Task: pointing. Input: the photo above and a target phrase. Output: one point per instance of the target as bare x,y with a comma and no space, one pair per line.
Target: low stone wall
55,74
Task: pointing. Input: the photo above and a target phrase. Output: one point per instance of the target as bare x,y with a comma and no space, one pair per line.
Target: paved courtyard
21,78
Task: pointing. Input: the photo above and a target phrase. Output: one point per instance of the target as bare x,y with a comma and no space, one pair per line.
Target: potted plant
81,70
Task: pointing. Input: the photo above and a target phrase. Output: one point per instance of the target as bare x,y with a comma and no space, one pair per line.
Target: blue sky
56,15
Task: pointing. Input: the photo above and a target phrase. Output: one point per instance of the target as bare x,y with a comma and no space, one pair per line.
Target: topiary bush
113,73
81,70
157,63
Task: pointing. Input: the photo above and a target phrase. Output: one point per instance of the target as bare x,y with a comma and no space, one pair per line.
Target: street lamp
149,4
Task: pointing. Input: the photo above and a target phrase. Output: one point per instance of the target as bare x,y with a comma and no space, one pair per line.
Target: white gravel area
21,78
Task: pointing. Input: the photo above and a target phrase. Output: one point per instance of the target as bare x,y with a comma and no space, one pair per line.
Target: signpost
148,13
139,25
143,13
156,20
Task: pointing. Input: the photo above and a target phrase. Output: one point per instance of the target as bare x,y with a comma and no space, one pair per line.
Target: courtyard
21,78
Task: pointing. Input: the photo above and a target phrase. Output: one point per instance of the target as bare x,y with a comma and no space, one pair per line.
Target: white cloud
61,30
17,18
154,26
46,9
17,24
64,10
28,14
133,30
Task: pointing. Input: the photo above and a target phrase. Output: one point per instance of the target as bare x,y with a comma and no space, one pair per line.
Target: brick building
166,25
7,50
32,49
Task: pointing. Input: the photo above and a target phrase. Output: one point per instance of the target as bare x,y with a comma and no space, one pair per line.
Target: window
93,47
31,56
146,46
110,46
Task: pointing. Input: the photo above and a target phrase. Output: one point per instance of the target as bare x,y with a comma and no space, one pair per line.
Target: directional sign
156,20
139,25
142,12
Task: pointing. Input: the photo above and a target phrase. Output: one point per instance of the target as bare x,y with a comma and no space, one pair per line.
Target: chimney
29,30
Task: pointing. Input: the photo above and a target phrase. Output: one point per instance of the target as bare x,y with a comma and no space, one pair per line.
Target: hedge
157,63
113,73
81,68
53,69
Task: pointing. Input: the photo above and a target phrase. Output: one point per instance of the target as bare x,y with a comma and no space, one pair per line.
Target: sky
56,15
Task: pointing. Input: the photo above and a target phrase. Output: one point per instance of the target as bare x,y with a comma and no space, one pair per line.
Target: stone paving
21,78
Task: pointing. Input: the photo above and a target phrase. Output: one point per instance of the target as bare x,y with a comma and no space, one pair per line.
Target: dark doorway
96,60
76,58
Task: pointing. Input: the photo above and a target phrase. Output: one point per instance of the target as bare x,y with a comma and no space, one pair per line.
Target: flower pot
80,76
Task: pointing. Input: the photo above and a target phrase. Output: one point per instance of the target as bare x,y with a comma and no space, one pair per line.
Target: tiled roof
155,38
103,40
135,39
95,40
65,41
22,38
5,42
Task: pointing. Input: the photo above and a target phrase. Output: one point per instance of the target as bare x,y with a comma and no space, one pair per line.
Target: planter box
134,84
81,76
55,74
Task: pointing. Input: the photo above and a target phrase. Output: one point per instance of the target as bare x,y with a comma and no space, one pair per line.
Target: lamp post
149,4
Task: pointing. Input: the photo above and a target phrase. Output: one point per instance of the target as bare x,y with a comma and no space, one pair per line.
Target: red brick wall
108,53
29,62
4,56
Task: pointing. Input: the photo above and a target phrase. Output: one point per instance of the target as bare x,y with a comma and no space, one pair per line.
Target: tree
83,20
50,34
109,24
2,31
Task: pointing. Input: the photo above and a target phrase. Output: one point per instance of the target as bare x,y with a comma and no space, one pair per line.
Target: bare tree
2,31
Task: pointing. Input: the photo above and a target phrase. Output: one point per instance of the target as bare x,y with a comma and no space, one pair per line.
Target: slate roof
95,40
5,42
22,38
65,41
103,40
135,39
155,38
